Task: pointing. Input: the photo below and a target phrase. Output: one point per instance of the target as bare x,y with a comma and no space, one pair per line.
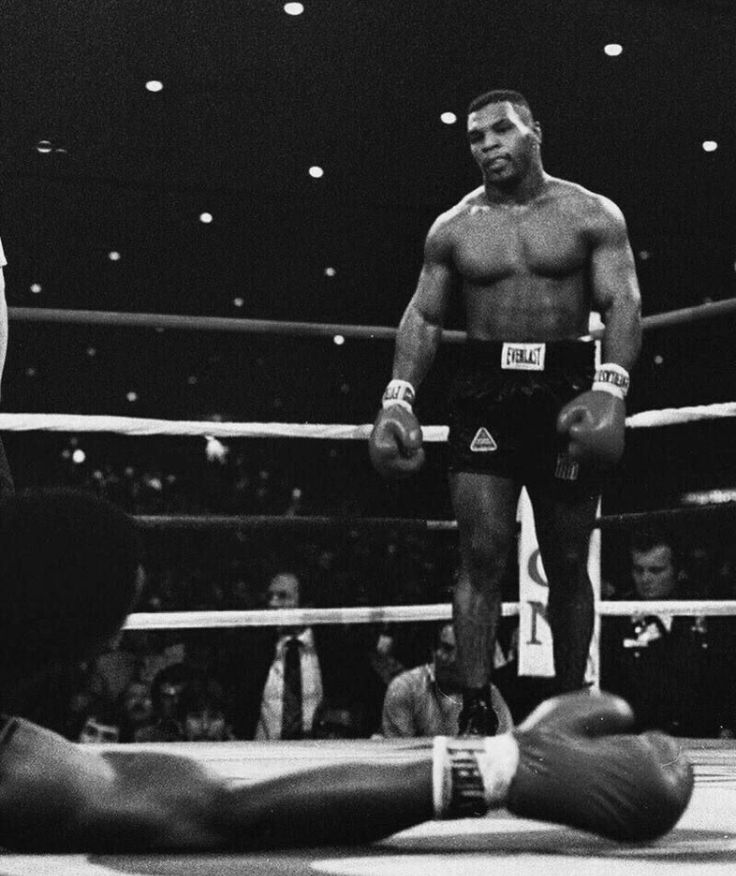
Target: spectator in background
167,723
279,675
135,712
660,662
257,672
204,717
426,700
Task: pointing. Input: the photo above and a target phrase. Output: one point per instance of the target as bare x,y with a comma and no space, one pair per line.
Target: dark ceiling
252,98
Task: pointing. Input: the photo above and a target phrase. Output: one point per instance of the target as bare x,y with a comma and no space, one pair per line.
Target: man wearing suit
280,675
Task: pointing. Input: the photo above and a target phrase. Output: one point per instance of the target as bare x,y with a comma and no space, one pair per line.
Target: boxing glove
395,442
571,762
595,421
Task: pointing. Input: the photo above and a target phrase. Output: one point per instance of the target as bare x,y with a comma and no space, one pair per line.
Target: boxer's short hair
500,95
68,577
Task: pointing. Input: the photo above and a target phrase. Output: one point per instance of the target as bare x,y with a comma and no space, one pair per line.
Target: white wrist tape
399,392
472,775
612,378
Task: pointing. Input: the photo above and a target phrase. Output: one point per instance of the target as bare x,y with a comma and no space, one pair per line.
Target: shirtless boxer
530,255
68,574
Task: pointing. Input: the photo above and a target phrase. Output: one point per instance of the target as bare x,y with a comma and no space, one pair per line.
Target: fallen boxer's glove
395,442
571,762
596,420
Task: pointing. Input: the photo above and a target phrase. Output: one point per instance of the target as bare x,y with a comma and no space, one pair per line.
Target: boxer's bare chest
496,244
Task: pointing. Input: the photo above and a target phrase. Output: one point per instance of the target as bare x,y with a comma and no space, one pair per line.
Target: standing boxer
530,255
68,574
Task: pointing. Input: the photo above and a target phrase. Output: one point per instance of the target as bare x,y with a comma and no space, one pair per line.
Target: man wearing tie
293,687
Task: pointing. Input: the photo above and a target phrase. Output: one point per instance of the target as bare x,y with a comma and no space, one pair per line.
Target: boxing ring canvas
704,841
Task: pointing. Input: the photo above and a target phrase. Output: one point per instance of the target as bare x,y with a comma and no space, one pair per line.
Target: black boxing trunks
504,404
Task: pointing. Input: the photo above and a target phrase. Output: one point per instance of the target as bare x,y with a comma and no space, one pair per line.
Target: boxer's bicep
614,286
437,279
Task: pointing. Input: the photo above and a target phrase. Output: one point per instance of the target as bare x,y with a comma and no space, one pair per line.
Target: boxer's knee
485,557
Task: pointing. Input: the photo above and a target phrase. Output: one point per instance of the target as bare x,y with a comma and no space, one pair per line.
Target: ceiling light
448,118
613,50
293,8
709,145
316,172
154,85
35,288
206,218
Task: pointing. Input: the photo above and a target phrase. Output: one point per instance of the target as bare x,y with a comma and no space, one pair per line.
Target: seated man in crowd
427,700
573,761
278,676
660,662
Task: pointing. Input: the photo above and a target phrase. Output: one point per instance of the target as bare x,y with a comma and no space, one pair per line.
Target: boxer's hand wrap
612,378
399,392
472,775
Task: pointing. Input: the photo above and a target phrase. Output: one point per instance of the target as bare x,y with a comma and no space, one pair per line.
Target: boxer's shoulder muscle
449,227
594,213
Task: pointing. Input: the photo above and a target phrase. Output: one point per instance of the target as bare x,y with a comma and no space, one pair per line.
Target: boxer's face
654,572
503,140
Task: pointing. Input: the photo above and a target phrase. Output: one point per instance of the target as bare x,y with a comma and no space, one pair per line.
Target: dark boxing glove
395,442
571,762
595,421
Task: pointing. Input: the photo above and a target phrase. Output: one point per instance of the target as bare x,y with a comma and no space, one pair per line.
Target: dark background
252,98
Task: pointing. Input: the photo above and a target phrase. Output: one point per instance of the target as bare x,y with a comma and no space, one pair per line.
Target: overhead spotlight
44,147
206,218
79,456
613,50
293,8
238,302
645,255
339,340
448,118
330,272
35,288
154,85
132,396
31,372
316,172
709,145
114,256
658,359
91,352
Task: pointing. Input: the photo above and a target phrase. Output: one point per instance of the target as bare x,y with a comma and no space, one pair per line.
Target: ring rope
205,522
20,422
710,310
182,620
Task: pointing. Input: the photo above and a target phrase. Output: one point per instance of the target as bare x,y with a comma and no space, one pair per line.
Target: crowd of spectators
188,685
